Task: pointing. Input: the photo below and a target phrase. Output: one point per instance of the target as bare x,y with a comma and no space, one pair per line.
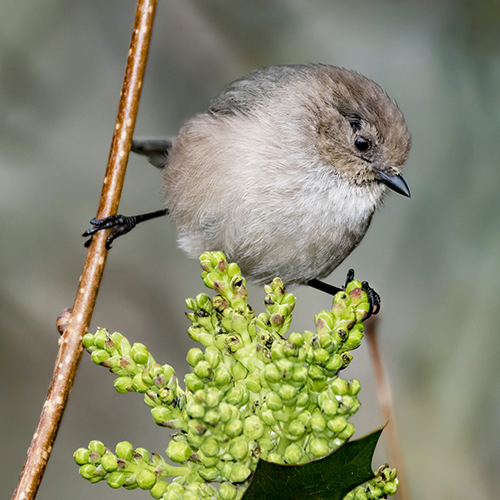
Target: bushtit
283,172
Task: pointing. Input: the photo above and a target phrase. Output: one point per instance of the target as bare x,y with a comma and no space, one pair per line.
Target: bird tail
155,149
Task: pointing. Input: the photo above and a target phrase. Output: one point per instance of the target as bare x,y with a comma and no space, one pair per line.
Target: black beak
394,182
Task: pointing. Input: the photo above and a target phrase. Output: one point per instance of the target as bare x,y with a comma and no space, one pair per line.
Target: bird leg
121,224
373,296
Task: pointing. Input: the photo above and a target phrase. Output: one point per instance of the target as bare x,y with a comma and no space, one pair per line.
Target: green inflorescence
251,393
384,483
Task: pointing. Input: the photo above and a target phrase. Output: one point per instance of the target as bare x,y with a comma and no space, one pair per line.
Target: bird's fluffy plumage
271,176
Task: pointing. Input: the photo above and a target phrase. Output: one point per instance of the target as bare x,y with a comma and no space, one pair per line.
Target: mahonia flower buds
251,392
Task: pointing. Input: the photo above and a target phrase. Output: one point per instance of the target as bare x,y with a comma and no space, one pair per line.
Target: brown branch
387,408
70,344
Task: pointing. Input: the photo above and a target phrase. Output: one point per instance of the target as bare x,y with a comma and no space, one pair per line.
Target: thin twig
70,345
387,408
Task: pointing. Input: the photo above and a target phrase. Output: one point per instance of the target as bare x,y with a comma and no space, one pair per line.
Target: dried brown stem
387,408
70,345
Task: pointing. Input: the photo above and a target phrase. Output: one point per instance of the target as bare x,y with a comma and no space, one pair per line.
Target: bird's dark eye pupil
362,143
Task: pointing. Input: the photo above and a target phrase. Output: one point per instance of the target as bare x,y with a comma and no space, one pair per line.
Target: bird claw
121,224
373,297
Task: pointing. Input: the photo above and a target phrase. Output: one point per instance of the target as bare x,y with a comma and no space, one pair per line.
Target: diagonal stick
70,344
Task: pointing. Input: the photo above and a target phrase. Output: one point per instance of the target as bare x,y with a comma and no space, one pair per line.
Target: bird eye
362,143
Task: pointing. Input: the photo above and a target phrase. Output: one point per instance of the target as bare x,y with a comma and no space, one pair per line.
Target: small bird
283,172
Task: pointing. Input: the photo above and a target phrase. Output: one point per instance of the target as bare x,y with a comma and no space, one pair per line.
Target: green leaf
329,478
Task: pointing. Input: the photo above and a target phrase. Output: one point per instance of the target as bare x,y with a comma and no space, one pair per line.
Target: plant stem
70,344
387,408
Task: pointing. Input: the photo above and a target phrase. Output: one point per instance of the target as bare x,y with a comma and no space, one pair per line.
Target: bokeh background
434,258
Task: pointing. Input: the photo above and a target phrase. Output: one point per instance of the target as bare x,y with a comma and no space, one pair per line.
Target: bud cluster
251,392
138,372
383,484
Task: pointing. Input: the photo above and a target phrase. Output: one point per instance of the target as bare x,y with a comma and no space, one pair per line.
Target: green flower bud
324,321
98,447
166,396
100,338
277,351
227,491
253,428
213,398
274,401
296,339
238,448
237,395
347,432
117,479
81,456
348,405
195,410
203,301
161,415
209,473
210,447
143,453
233,428
286,368
339,387
222,376
239,473
193,382
287,392
316,373
282,415
334,364
194,356
346,359
296,429
225,412
211,417
253,382
159,489
299,375
268,417
305,417
146,479
239,323
354,340
139,353
87,471
178,452
318,447
293,454
239,371
318,423
88,341
129,365
191,304
321,356
271,374
172,495
138,384
99,356
330,407
124,450
212,356
202,369
108,462
302,399
391,488
94,458
337,424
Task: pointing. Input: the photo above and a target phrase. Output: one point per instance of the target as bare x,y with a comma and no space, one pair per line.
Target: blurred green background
435,258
